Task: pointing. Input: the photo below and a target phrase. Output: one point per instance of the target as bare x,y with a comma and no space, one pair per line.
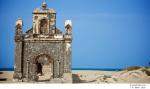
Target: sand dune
141,75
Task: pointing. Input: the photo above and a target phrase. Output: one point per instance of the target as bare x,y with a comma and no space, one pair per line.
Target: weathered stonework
43,53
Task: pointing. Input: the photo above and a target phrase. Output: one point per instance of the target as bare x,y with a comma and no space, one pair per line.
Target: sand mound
129,75
139,75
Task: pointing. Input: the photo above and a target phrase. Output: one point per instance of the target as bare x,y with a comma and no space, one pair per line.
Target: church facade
43,53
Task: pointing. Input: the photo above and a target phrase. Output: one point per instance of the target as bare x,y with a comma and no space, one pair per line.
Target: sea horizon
102,69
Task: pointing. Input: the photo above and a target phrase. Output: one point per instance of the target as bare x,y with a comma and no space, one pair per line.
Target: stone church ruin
43,53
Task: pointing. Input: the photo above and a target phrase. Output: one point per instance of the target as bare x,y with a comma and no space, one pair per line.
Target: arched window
43,26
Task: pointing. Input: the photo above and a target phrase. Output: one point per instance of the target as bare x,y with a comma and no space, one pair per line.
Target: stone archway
43,29
44,67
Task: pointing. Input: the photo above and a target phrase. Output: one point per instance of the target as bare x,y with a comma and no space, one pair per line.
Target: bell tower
44,20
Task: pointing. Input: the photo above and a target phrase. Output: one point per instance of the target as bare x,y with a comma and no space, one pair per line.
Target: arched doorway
43,26
44,67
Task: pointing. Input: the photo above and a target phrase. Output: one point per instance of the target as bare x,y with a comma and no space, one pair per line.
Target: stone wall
54,50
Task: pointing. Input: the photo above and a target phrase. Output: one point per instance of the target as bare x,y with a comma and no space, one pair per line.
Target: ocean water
102,69
74,69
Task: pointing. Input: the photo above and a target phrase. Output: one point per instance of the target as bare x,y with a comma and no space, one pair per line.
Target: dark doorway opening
44,68
39,69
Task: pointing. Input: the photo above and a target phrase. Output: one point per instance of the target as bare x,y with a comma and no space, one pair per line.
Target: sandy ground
93,76
6,76
89,76
111,77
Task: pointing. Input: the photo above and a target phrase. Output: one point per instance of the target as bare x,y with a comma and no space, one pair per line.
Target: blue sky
106,33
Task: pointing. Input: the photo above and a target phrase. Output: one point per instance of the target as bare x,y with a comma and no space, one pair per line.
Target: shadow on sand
2,79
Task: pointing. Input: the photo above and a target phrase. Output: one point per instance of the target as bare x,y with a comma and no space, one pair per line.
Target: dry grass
133,68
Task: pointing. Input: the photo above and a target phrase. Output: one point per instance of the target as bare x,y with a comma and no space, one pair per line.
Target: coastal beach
139,75
124,76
